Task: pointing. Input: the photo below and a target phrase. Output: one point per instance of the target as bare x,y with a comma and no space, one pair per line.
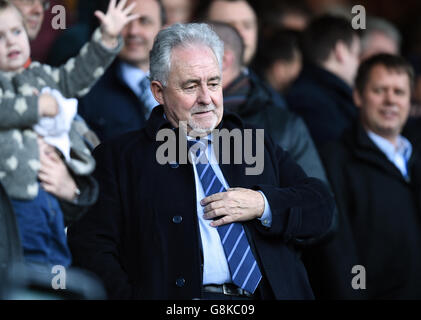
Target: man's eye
17,31
145,21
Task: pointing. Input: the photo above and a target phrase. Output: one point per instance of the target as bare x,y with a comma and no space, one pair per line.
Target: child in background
33,101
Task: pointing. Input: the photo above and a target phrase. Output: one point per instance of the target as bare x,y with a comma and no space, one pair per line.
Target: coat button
174,165
177,219
180,282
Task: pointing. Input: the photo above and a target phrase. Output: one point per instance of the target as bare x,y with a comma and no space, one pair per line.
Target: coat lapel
369,153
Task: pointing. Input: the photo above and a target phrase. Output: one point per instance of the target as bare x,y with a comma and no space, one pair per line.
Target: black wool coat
142,237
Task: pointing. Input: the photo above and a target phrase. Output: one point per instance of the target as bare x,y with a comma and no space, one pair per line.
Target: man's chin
200,132
197,129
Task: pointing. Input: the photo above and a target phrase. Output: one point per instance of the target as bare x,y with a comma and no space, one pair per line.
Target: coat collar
365,149
327,79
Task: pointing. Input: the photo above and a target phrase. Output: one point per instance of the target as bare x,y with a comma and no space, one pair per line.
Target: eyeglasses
44,3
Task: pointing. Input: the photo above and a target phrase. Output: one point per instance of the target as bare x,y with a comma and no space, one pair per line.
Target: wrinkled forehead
188,58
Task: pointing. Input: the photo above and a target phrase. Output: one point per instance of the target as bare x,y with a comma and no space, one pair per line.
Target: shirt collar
132,75
208,137
403,147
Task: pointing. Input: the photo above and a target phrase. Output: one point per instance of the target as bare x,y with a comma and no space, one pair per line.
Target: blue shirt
133,76
399,155
215,265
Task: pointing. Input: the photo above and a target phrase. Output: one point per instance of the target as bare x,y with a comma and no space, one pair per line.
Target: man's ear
158,91
340,51
357,98
227,60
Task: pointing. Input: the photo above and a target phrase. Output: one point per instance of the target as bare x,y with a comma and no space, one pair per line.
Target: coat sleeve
76,77
302,207
73,211
18,109
95,239
303,150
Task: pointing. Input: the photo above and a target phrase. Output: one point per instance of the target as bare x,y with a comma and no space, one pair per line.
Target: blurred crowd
345,103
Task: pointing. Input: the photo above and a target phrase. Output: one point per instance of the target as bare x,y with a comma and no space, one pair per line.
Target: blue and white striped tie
243,267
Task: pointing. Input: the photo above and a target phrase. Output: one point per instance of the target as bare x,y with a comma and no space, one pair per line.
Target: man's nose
389,98
204,97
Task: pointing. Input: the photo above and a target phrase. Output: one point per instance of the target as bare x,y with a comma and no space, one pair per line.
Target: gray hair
376,24
181,35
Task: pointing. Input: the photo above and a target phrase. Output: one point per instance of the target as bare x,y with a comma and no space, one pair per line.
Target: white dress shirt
215,265
399,155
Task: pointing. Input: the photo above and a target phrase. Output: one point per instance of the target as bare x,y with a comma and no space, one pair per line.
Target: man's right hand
47,105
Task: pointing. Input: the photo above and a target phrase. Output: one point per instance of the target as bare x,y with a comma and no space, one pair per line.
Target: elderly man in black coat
219,227
375,174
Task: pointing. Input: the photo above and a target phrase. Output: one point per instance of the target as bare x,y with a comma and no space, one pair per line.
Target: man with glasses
33,14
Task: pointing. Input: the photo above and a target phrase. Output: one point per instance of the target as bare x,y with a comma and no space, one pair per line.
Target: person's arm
303,150
86,197
75,193
79,74
302,207
25,108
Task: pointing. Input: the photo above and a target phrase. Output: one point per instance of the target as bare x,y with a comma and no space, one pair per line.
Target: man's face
194,92
14,43
33,14
352,60
241,16
139,34
385,102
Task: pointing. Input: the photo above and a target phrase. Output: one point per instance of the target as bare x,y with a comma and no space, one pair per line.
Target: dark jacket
253,102
142,237
325,103
379,223
111,108
412,130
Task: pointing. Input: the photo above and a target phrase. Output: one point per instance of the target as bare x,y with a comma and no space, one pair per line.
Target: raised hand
116,18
